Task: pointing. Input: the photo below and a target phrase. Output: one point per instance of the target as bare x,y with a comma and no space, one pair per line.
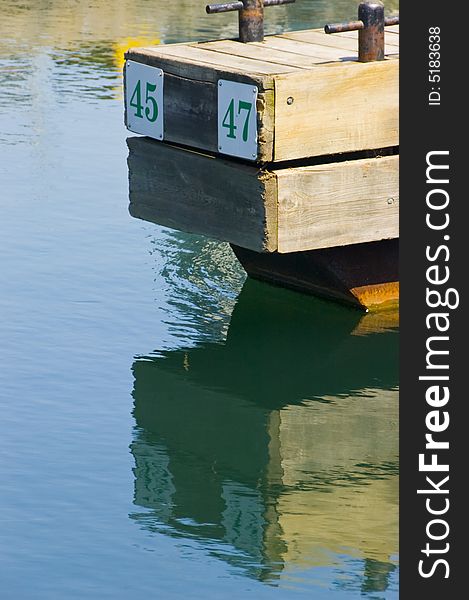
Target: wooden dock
314,98
284,148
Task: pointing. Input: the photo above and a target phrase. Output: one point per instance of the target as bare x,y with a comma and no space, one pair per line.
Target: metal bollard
370,28
371,37
251,21
251,16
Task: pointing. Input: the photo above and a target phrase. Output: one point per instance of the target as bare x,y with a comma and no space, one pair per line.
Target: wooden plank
198,193
340,107
320,53
285,210
190,112
268,51
196,53
393,29
319,38
205,71
390,40
338,204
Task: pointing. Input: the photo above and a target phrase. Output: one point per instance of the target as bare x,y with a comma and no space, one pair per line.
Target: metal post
251,16
371,37
251,21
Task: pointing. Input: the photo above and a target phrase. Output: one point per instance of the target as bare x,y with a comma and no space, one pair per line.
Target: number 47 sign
237,119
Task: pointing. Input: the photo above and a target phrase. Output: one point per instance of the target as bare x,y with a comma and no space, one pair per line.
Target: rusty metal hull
362,275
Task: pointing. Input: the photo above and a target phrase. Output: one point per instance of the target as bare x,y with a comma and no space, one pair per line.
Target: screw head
390,200
254,155
220,83
290,100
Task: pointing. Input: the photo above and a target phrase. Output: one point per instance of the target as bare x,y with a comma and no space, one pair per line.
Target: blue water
168,430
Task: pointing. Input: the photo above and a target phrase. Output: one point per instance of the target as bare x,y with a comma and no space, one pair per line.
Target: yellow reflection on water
120,48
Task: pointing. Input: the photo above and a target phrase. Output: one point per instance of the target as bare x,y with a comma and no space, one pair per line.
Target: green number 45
229,119
151,106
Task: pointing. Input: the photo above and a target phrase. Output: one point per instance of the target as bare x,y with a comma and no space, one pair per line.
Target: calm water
168,430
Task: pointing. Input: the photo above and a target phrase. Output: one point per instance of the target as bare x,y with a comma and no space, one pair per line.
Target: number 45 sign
144,99
237,119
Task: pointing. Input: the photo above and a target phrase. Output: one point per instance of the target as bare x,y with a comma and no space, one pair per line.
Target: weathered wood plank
341,107
338,204
202,71
320,53
196,53
267,51
200,194
319,38
285,210
189,122
391,40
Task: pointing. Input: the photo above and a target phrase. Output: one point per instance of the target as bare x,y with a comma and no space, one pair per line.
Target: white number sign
144,99
237,119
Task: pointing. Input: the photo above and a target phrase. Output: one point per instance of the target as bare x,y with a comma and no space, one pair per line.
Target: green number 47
229,119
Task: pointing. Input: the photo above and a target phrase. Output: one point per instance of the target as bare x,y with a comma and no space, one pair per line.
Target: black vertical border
423,129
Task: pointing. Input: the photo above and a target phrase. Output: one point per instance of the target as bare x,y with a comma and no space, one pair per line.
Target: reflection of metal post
370,28
251,16
251,21
371,37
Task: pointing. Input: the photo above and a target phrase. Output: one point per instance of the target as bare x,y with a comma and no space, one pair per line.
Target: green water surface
168,430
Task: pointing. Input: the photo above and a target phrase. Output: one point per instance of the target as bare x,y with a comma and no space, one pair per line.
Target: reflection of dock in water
274,474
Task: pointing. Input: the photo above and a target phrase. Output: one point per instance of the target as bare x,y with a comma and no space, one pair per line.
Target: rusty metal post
251,21
370,27
371,37
251,16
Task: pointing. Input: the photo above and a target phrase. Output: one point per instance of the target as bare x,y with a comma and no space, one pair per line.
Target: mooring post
251,16
371,37
251,21
370,25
